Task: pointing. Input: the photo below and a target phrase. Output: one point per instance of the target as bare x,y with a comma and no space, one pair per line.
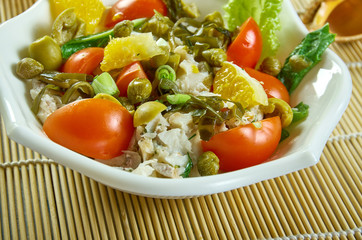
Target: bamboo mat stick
200,217
45,200
229,215
124,216
115,213
193,219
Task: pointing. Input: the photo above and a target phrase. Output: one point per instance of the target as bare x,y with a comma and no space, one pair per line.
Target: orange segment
233,83
121,52
90,11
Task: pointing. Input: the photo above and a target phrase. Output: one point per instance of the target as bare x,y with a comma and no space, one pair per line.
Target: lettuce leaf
265,13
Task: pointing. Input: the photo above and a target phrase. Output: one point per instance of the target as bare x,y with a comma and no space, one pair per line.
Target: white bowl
326,89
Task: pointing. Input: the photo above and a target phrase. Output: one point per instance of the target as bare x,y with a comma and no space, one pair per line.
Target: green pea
29,68
46,51
208,164
139,90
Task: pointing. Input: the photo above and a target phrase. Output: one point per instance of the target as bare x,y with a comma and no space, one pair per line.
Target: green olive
123,29
67,26
278,107
47,52
29,68
208,164
146,112
271,66
139,89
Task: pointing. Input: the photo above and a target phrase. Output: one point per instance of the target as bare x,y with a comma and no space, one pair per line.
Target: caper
271,66
47,52
139,89
299,63
123,29
214,56
28,68
67,26
208,164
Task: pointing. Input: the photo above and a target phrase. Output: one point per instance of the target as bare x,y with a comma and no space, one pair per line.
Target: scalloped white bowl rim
326,89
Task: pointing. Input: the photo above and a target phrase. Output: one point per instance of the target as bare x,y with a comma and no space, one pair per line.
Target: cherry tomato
133,9
96,128
246,145
84,61
246,49
128,73
272,86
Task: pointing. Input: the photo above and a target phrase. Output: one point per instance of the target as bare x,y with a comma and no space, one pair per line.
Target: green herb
188,167
300,112
304,57
104,83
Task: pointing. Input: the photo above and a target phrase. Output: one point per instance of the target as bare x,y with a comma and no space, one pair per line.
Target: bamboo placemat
40,199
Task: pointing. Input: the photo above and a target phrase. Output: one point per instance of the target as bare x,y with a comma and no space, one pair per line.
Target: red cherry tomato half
133,9
84,61
273,87
128,73
96,128
246,145
246,49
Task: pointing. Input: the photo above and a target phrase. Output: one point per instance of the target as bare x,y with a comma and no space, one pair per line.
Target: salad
163,92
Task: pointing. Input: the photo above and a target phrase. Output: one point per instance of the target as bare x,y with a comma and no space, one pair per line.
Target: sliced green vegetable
300,112
74,91
265,13
94,40
49,87
178,98
304,57
104,83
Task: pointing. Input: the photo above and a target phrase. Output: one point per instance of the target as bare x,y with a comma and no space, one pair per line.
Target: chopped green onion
178,98
165,74
104,83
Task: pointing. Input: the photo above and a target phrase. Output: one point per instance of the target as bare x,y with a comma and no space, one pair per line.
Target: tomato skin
96,128
246,145
273,87
246,49
128,73
133,9
84,61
